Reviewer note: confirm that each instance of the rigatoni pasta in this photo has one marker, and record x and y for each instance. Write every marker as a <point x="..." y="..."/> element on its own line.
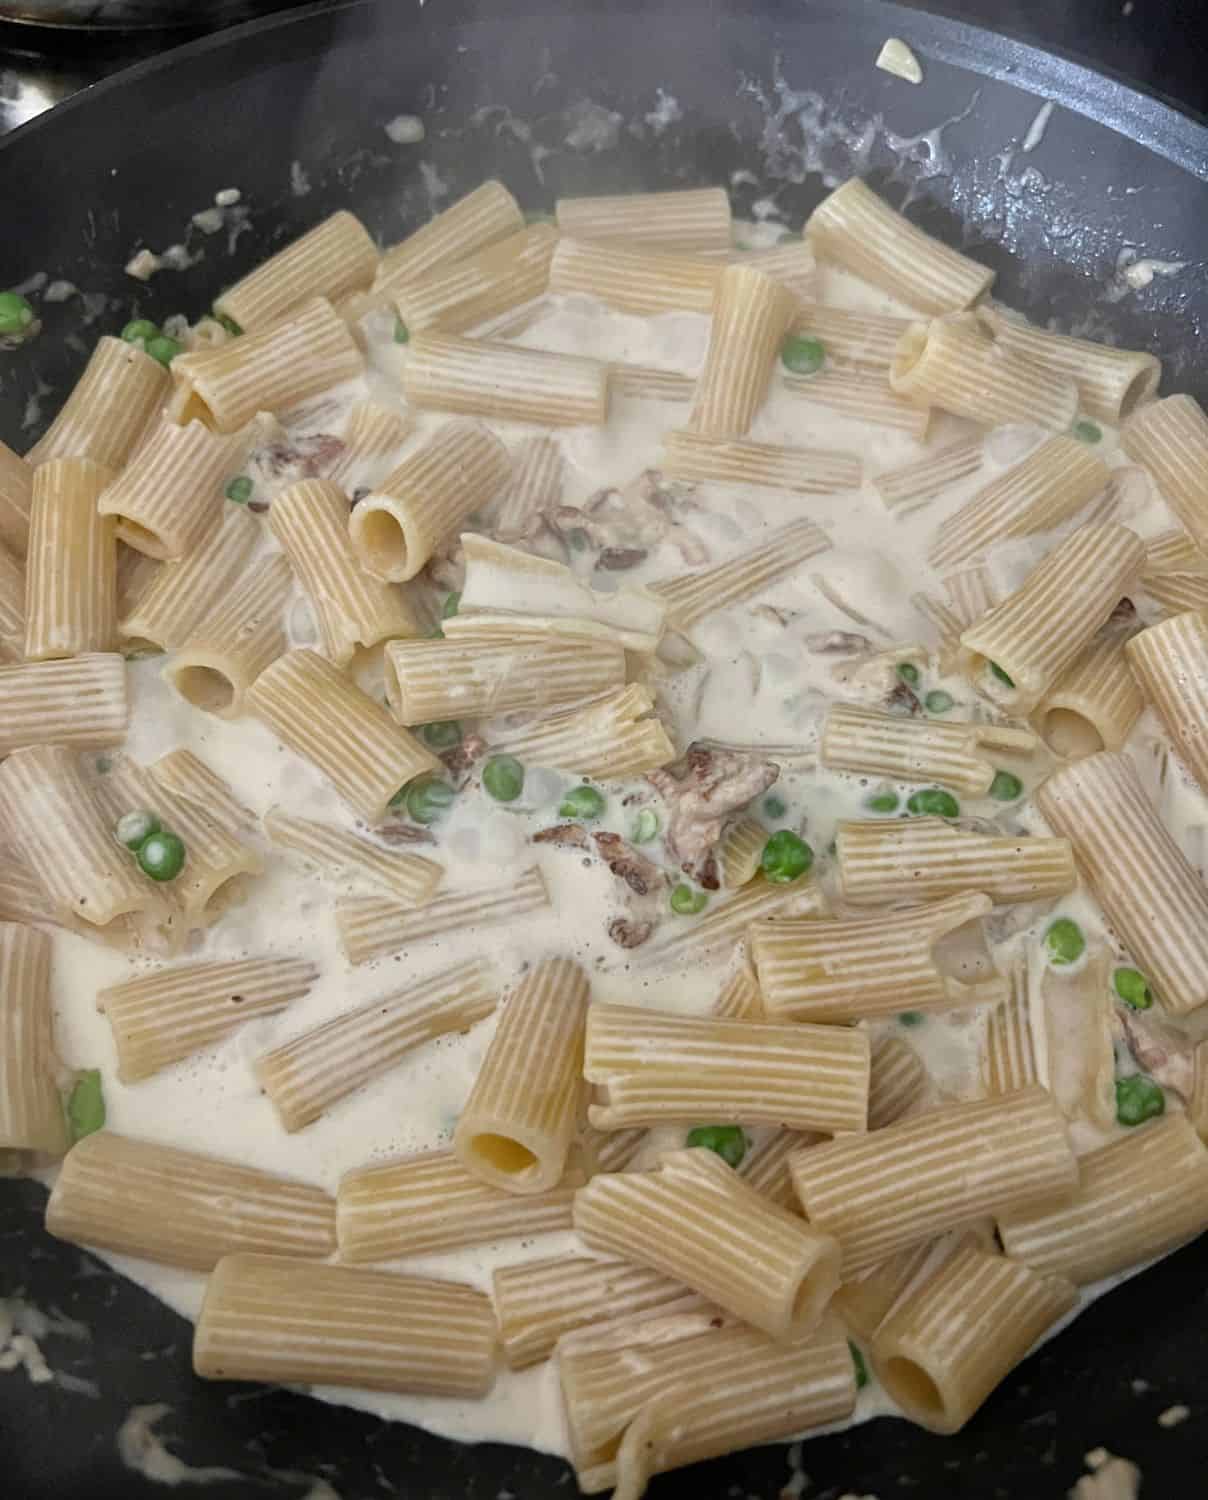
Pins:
<point x="898" y="1082"/>
<point x="1170" y="661"/>
<point x="482" y="217"/>
<point x="481" y="286"/>
<point x="918" y="483"/>
<point x="1169" y="439"/>
<point x="615" y="735"/>
<point x="691" y="596"/>
<point x="637" y="281"/>
<point x="12" y="608"/>
<point x="953" y="753"/>
<point x="861" y="393"/>
<point x="71" y="573"/>
<point x="16" y="496"/>
<point x="331" y="260"/>
<point x="78" y="701"/>
<point x="1009" y="1061"/>
<point x="409" y="879"/>
<point x="1096" y="701"/>
<point x="109" y="407"/>
<point x="33" y="1128"/>
<point x="690" y="220"/>
<point x="804" y="471"/>
<point x="485" y="378"/>
<point x="751" y="315"/>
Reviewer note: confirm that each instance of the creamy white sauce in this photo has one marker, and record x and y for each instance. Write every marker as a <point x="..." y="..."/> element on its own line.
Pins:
<point x="756" y="684"/>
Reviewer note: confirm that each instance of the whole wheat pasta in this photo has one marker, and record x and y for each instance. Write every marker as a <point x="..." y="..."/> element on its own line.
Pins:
<point x="1112" y="383"/>
<point x="80" y="701"/>
<point x="537" y="1302"/>
<point x="516" y="589"/>
<point x="160" y="1018"/>
<point x="1095" y="702"/>
<point x="885" y="1191"/>
<point x="372" y="927"/>
<point x="430" y="1202"/>
<point x="331" y="260"/>
<point x="946" y="625"/>
<point x="897" y="1082"/>
<point x="16" y="495"/>
<point x="740" y="852"/>
<point x="791" y="263"/>
<point x="1170" y="661"/>
<point x="727" y="922"/>
<point x="409" y="879"/>
<point x="644" y="383"/>
<point x="617" y="735"/>
<point x="307" y="1075"/>
<point x="1149" y="892"/>
<point x="431" y="681"/>
<point x="972" y="592"/>
<point x="914" y="749"/>
<point x="135" y="574"/>
<point x="538" y="475"/>
<point x="611" y="1150"/>
<point x="503" y="382"/>
<point x="751" y="315"/>
<point x="482" y="217"/>
<point x="862" y="233"/>
<point x="33" y="1127"/>
<point x="269" y="371"/>
<point x="1009" y="1061"/>
<point x="1172" y="552"/>
<point x="1169" y="439"/>
<point x="1138" y="1198"/>
<point x="687" y="221"/>
<point x="1036" y="633"/>
<point x="181" y="594"/>
<point x="158" y="1202"/>
<point x="651" y="1397"/>
<point x="234" y="644"/>
<point x="323" y="717"/>
<point x="804" y="471"/>
<point x="12" y="608"/>
<point x="169" y="497"/>
<point x="24" y="899"/>
<point x="862" y="393"/>
<point x="401" y="523"/>
<point x="691" y="596"/>
<point x="516" y="1127"/>
<point x="637" y="281"/>
<point x="739" y="998"/>
<point x="1078" y="1064"/>
<point x="1051" y="484"/>
<point x="891" y="861"/>
<point x="952" y="363"/>
<point x="766" y="1167"/>
<point x="864" y="339"/>
<point x="481" y="286"/>
<point x="918" y="483"/>
<point x="652" y="1067"/>
<point x="71" y="572"/>
<point x="109" y="406"/>
<point x="270" y="1319"/>
<point x="863" y="1301"/>
<point x="352" y="608"/>
<point x="187" y="776"/>
<point x="1179" y="592"/>
<point x="44" y="803"/>
<point x="1197" y="1103"/>
<point x="948" y="1342"/>
<point x="372" y="437"/>
<point x="695" y="1220"/>
<point x="859" y="968"/>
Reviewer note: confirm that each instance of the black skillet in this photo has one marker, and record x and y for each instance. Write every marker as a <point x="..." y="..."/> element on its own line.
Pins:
<point x="127" y="164"/>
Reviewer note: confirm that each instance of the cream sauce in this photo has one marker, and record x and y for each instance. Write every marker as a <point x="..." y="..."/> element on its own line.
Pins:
<point x="755" y="684"/>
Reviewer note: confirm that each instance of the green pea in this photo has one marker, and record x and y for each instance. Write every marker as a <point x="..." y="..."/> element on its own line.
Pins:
<point x="425" y="798"/>
<point x="998" y="672"/>
<point x="785" y="857"/>
<point x="135" y="827"/>
<point x="451" y="605"/>
<point x="933" y="802"/>
<point x="685" y="902"/>
<point x="161" y="856"/>
<point x="503" y="777"/>
<point x="857" y="1359"/>
<point x="582" y="802"/>
<point x="909" y="673"/>
<point x="240" y="489"/>
<point x="86" y="1105"/>
<point x="16" y="315"/>
<point x="442" y="736"/>
<point x="1005" y="787"/>
<point x="401" y="333"/>
<point x="645" y="826"/>
<point x="727" y="1140"/>
<point x="882" y="802"/>
<point x="911" y="1018"/>
<point x="1132" y="988"/>
<point x="938" y="701"/>
<point x="229" y="324"/>
<point x="1065" y="942"/>
<point x="1138" y="1099"/>
<point x="774" y="807"/>
<point x="162" y="348"/>
<point x="140" y="331"/>
<point x="1087" y="432"/>
<point x="802" y="355"/>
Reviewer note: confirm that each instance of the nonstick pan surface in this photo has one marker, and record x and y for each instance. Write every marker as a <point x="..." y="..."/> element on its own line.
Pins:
<point x="775" y="100"/>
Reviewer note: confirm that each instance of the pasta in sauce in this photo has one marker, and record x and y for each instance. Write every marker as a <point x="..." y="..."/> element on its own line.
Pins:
<point x="602" y="770"/>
